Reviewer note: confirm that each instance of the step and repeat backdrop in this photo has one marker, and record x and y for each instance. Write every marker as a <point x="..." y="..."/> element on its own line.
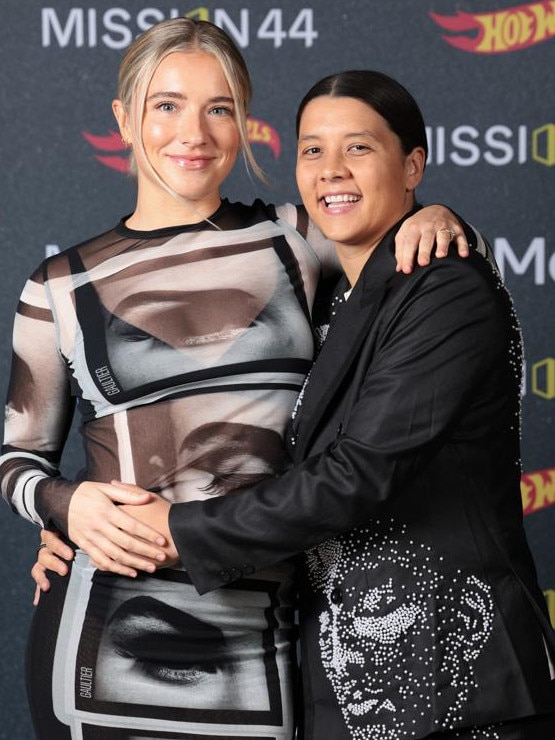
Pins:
<point x="483" y="74"/>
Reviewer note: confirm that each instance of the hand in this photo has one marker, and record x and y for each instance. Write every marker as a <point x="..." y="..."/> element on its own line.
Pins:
<point x="429" y="227"/>
<point x="114" y="540"/>
<point x="156" y="514"/>
<point x="50" y="558"/>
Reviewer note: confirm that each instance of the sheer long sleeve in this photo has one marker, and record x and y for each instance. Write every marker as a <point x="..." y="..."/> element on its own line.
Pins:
<point x="38" y="414"/>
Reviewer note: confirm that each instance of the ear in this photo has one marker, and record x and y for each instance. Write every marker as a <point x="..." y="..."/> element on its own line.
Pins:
<point x="414" y="168"/>
<point x="123" y="121"/>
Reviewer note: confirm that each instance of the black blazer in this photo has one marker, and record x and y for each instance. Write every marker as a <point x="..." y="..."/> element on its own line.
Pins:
<point x="427" y="615"/>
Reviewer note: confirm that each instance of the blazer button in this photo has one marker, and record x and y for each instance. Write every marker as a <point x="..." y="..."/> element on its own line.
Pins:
<point x="248" y="570"/>
<point x="336" y="596"/>
<point x="225" y="576"/>
<point x="234" y="574"/>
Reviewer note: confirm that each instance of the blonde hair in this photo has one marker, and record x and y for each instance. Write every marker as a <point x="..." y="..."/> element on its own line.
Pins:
<point x="183" y="35"/>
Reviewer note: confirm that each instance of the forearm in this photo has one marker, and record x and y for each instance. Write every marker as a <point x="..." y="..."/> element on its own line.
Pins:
<point x="223" y="538"/>
<point x="427" y="372"/>
<point x="34" y="490"/>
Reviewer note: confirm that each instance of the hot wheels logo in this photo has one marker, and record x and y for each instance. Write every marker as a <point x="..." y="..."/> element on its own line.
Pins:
<point x="111" y="152"/>
<point x="501" y="31"/>
<point x="262" y="133"/>
<point x="538" y="490"/>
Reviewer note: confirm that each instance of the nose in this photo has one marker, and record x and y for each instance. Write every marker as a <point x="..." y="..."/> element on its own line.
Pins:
<point x="333" y="168"/>
<point x="192" y="130"/>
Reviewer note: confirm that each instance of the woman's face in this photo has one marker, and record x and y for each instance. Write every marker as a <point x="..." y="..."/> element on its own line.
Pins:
<point x="189" y="132"/>
<point x="352" y="173"/>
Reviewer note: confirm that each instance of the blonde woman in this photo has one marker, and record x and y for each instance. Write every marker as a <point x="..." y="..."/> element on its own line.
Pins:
<point x="185" y="335"/>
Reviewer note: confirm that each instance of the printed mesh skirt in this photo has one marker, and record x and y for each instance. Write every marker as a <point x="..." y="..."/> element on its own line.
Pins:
<point x="114" y="658"/>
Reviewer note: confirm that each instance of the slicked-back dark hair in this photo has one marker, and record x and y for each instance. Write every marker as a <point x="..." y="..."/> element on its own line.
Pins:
<point x="385" y="95"/>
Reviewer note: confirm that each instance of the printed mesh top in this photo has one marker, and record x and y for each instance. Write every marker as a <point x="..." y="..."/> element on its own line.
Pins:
<point x="184" y="347"/>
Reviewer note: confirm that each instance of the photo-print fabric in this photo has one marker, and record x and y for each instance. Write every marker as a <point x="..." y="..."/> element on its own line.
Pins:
<point x="184" y="349"/>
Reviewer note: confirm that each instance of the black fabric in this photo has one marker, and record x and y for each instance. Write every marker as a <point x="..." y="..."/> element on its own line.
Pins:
<point x="541" y="727"/>
<point x="39" y="659"/>
<point x="428" y="614"/>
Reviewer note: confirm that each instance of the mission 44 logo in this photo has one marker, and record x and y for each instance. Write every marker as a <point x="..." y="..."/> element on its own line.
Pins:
<point x="116" y="28"/>
<point x="273" y="27"/>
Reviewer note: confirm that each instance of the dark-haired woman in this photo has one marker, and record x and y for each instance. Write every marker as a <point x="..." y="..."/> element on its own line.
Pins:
<point x="421" y="613"/>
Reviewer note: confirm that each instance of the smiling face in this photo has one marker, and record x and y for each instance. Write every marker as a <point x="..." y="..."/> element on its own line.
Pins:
<point x="353" y="176"/>
<point x="190" y="138"/>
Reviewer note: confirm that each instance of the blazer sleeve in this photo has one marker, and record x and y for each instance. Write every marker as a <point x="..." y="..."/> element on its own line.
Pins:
<point x="439" y="350"/>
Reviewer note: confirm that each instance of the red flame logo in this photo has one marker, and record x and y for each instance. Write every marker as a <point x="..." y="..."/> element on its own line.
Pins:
<point x="115" y="151"/>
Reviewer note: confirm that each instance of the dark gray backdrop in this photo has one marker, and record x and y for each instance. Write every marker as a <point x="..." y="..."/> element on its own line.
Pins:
<point x="483" y="74"/>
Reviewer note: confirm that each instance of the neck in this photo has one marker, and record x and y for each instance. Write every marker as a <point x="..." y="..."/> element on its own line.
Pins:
<point x="353" y="259"/>
<point x="164" y="211"/>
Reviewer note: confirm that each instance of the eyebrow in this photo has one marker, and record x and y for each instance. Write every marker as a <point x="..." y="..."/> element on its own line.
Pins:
<point x="352" y="135"/>
<point x="179" y="96"/>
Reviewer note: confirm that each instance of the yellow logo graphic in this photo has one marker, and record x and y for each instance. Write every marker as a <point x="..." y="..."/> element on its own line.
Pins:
<point x="198" y="14"/>
<point x="543" y="144"/>
<point x="543" y="378"/>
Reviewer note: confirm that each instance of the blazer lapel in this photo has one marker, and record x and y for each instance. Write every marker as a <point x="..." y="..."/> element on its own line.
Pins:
<point x="345" y="337"/>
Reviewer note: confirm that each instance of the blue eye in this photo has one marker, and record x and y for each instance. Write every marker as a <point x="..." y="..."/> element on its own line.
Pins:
<point x="166" y="107"/>
<point x="221" y="110"/>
